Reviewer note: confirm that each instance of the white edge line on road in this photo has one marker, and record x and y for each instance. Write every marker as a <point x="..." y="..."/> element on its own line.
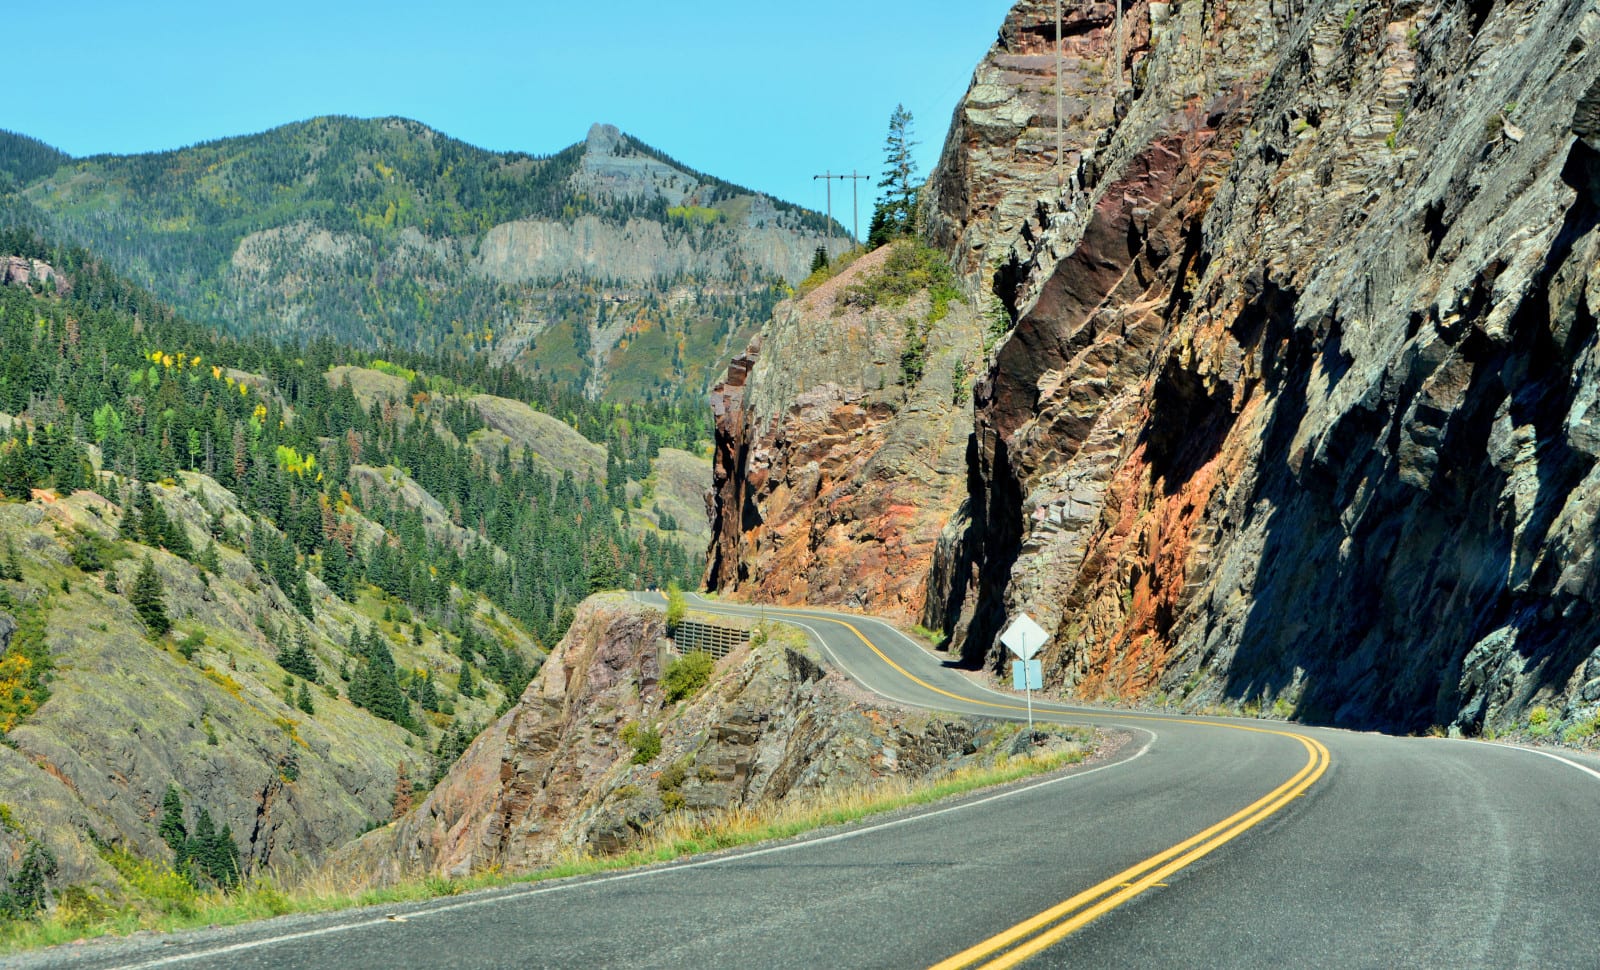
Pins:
<point x="515" y="895"/>
<point x="1548" y="754"/>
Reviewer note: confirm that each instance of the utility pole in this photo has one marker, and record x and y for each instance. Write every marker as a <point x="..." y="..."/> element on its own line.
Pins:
<point x="1117" y="83"/>
<point x="855" y="207"/>
<point x="828" y="178"/>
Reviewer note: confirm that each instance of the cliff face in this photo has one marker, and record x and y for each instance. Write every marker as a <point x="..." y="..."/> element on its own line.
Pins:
<point x="831" y="485"/>
<point x="557" y="775"/>
<point x="841" y="447"/>
<point x="1296" y="409"/>
<point x="1004" y="156"/>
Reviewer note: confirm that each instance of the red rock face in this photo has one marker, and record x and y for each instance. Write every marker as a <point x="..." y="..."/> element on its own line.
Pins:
<point x="1295" y="413"/>
<point x="834" y="473"/>
<point x="21" y="271"/>
<point x="1268" y="430"/>
<point x="556" y="775"/>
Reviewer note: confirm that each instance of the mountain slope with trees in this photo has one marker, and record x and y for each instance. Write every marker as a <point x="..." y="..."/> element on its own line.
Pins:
<point x="226" y="571"/>
<point x="603" y="266"/>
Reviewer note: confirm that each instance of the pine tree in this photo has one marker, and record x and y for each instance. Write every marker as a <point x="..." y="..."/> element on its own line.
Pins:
<point x="300" y="594"/>
<point x="896" y="210"/>
<point x="10" y="566"/>
<point x="465" y="687"/>
<point x="171" y="829"/>
<point x="303" y="699"/>
<point x="149" y="598"/>
<point x="297" y="659"/>
<point x="336" y="571"/>
<point x="222" y="858"/>
<point x="207" y="559"/>
<point x="819" y="259"/>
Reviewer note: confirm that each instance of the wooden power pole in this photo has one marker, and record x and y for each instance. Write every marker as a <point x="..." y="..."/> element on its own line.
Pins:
<point x="855" y="208"/>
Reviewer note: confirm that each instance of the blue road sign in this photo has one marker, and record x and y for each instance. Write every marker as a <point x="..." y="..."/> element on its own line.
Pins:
<point x="1032" y="670"/>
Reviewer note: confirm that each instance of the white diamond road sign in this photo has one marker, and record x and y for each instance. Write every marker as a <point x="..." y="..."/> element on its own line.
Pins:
<point x="1024" y="637"/>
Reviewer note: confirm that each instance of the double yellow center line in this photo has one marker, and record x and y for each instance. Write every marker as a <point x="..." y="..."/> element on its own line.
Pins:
<point x="1033" y="935"/>
<point x="1030" y="936"/>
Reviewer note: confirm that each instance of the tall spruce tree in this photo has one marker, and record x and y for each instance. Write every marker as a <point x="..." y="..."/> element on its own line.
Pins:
<point x="149" y="598"/>
<point x="895" y="213"/>
<point x="172" y="830"/>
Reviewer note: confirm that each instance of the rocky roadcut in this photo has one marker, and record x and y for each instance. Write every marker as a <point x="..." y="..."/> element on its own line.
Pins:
<point x="597" y="755"/>
<point x="1295" y="408"/>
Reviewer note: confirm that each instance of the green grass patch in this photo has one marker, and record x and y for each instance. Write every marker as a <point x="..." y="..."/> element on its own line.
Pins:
<point x="686" y="675"/>
<point x="910" y="268"/>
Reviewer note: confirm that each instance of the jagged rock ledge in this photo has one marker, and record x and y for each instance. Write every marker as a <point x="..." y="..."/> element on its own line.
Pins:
<point x="556" y="776"/>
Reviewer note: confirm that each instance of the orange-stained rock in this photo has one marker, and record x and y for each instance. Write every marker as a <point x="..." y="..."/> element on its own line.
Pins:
<point x="833" y="473"/>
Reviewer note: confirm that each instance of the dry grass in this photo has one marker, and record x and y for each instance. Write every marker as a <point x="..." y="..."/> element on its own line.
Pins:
<point x="678" y="836"/>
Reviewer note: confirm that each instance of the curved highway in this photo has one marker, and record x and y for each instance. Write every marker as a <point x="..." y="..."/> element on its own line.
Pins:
<point x="1209" y="842"/>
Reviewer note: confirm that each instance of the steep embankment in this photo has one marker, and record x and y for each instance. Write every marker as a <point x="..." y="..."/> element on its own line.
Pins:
<point x="598" y="754"/>
<point x="285" y="760"/>
<point x="1295" y="408"/>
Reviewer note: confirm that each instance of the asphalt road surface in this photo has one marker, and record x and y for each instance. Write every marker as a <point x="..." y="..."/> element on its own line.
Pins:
<point x="1208" y="842"/>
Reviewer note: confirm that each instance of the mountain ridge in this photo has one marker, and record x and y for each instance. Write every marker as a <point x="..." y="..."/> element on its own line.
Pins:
<point x="384" y="232"/>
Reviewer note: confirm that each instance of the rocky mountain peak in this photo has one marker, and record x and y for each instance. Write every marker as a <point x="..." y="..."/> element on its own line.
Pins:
<point x="603" y="139"/>
<point x="613" y="167"/>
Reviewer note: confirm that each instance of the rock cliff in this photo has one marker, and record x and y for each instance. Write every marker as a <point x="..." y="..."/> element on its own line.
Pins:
<point x="824" y="491"/>
<point x="841" y="439"/>
<point x="557" y="775"/>
<point x="1294" y="409"/>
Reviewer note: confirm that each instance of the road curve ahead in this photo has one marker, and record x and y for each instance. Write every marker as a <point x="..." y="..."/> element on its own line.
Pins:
<point x="1211" y="843"/>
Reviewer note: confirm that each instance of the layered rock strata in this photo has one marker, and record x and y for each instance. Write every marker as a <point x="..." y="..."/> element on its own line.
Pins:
<point x="825" y="489"/>
<point x="1296" y="410"/>
<point x="1013" y="144"/>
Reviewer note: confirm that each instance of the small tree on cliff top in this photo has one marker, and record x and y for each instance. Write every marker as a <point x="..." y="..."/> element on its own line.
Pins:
<point x="676" y="606"/>
<point x="895" y="213"/>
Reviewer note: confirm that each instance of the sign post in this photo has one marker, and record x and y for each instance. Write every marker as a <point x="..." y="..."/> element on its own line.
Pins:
<point x="1024" y="638"/>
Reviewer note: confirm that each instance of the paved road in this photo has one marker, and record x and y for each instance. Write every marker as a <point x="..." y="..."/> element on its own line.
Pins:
<point x="1211" y="843"/>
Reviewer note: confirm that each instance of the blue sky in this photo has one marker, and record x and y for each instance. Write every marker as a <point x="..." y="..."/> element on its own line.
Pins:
<point x="764" y="95"/>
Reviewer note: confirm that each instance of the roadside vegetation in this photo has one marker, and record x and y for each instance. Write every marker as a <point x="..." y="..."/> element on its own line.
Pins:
<point x="170" y="902"/>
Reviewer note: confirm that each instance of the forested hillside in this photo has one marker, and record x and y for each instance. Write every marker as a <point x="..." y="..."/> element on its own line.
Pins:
<point x="111" y="367"/>
<point x="605" y="267"/>
<point x="289" y="583"/>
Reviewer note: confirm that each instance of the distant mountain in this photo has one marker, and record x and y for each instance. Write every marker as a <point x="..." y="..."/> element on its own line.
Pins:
<point x="607" y="266"/>
<point x="25" y="159"/>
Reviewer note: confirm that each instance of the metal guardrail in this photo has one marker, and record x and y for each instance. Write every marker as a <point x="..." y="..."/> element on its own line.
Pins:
<point x="715" y="639"/>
